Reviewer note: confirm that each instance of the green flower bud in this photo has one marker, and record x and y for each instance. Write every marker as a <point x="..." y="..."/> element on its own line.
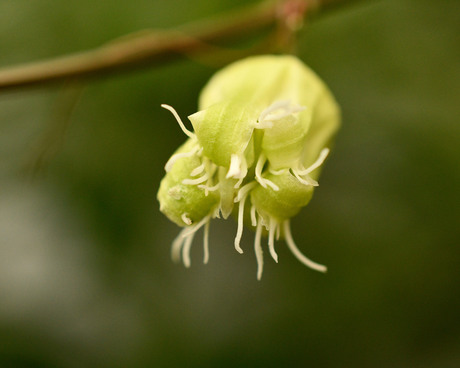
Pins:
<point x="263" y="131"/>
<point x="273" y="206"/>
<point x="282" y="204"/>
<point x="185" y="196"/>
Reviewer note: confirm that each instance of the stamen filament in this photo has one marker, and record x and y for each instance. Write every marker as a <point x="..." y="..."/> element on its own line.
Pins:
<point x="208" y="188"/>
<point x="258" y="251"/>
<point x="272" y="185"/>
<point x="273" y="107"/>
<point x="322" y="156"/>
<point x="186" y="219"/>
<point x="238" y="183"/>
<point x="186" y="249"/>
<point x="206" y="243"/>
<point x="306" y="181"/>
<point x="241" y="197"/>
<point x="197" y="170"/>
<point x="239" y="231"/>
<point x="266" y="121"/>
<point x="193" y="229"/>
<point x="244" y="191"/>
<point x="258" y="174"/>
<point x="290" y="242"/>
<point x="200" y="180"/>
<point x="176" y="157"/>
<point x="177" y="246"/>
<point x="253" y="216"/>
<point x="271" y="239"/>
<point x="181" y="124"/>
<point x="277" y="172"/>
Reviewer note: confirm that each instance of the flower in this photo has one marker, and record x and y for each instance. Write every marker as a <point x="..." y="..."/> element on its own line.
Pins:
<point x="263" y="130"/>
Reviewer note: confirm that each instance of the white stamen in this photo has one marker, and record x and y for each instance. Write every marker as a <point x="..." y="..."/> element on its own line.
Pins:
<point x="239" y="231"/>
<point x="177" y="156"/>
<point x="272" y="185"/>
<point x="258" y="251"/>
<point x="238" y="183"/>
<point x="206" y="243"/>
<point x="200" y="180"/>
<point x="277" y="172"/>
<point x="274" y="106"/>
<point x="186" y="249"/>
<point x="197" y="170"/>
<point x="212" y="168"/>
<point x="322" y="156"/>
<point x="253" y="216"/>
<point x="306" y="181"/>
<point x="241" y="197"/>
<point x="244" y="190"/>
<point x="177" y="245"/>
<point x="290" y="242"/>
<point x="208" y="188"/>
<point x="267" y="116"/>
<point x="186" y="219"/>
<point x="181" y="124"/>
<point x="184" y="239"/>
<point x="193" y="229"/>
<point x="271" y="239"/>
<point x="258" y="174"/>
<point x="211" y="189"/>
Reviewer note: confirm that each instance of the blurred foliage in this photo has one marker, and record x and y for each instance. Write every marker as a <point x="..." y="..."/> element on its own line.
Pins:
<point x="85" y="272"/>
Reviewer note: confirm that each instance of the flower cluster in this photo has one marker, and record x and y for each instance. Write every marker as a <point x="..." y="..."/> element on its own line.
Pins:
<point x="263" y="130"/>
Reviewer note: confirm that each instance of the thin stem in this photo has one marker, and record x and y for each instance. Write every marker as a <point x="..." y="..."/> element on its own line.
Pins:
<point x="146" y="48"/>
<point x="51" y="141"/>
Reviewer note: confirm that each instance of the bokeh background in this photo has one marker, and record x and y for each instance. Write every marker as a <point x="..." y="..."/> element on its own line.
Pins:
<point x="86" y="278"/>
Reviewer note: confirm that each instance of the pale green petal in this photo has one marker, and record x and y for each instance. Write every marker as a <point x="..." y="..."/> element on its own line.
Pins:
<point x="224" y="129"/>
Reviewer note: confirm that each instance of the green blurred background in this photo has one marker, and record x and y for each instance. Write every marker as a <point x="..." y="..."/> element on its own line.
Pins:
<point x="86" y="278"/>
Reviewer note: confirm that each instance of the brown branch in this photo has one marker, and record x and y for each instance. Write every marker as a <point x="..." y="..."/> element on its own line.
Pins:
<point x="157" y="46"/>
